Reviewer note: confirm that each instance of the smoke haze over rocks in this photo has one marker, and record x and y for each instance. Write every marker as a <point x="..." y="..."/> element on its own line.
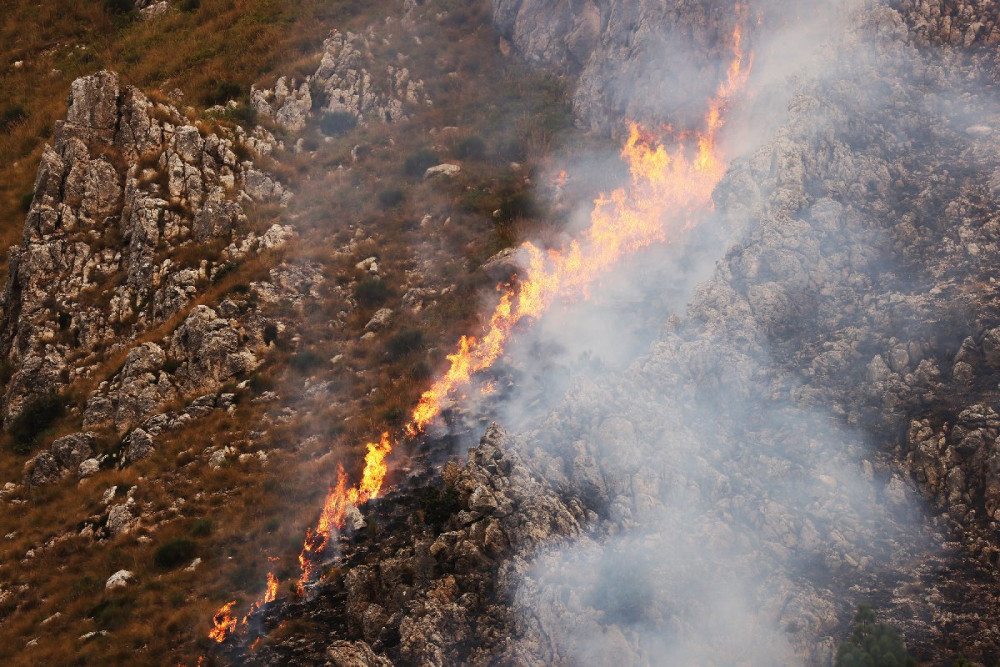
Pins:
<point x="741" y="461"/>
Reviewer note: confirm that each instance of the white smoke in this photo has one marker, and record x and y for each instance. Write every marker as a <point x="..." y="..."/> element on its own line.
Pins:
<point x="731" y="507"/>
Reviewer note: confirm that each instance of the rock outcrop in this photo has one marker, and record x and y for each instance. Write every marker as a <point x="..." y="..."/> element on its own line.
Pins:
<point x="347" y="82"/>
<point x="125" y="187"/>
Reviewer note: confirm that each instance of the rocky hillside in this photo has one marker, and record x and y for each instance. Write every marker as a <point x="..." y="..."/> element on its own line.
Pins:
<point x="214" y="303"/>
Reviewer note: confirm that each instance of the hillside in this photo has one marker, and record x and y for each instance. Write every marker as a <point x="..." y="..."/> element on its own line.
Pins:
<point x="510" y="332"/>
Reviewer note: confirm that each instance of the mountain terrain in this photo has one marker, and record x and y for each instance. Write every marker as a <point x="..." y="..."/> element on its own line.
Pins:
<point x="245" y="236"/>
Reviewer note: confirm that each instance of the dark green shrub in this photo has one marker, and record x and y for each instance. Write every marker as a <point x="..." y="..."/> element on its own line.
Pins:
<point x="512" y="151"/>
<point x="270" y="333"/>
<point x="404" y="342"/>
<point x="391" y="197"/>
<point x="118" y="6"/>
<point x="112" y="614"/>
<point x="224" y="91"/>
<point x="872" y="644"/>
<point x="304" y="361"/>
<point x="12" y="116"/>
<point x="36" y="417"/>
<point x="26" y="200"/>
<point x="241" y="114"/>
<point x="173" y="553"/>
<point x="371" y="292"/>
<point x="471" y="148"/>
<point x="201" y="528"/>
<point x="418" y="162"/>
<point x="189" y="5"/>
<point x="337" y="123"/>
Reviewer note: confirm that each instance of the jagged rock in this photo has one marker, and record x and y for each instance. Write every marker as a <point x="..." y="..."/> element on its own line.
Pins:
<point x="119" y="579"/>
<point x="379" y="320"/>
<point x="81" y="193"/>
<point x="353" y="654"/>
<point x="89" y="468"/>
<point x="43" y="469"/>
<point x="120" y="518"/>
<point x="70" y="451"/>
<point x="447" y="170"/>
<point x="138" y="446"/>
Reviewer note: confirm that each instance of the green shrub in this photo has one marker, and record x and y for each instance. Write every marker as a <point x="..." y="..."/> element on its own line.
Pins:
<point x="12" y="116"/>
<point x="471" y="148"/>
<point x="112" y="614"/>
<point x="391" y="197"/>
<point x="201" y="528"/>
<point x="241" y="114"/>
<point x="26" y="199"/>
<point x="118" y="6"/>
<point x="304" y="361"/>
<point x="402" y="343"/>
<point x="173" y="553"/>
<point x="189" y="5"/>
<point x="36" y="417"/>
<point x="337" y="123"/>
<point x="872" y="644"/>
<point x="224" y="91"/>
<point x="418" y="162"/>
<point x="371" y="292"/>
<point x="270" y="333"/>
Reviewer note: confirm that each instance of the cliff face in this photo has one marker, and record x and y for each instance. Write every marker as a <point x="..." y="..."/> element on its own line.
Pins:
<point x="126" y="184"/>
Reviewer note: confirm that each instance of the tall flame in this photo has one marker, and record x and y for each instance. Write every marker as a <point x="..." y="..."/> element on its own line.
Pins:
<point x="668" y="192"/>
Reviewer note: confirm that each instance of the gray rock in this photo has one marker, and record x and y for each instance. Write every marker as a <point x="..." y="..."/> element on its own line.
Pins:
<point x="139" y="445"/>
<point x="119" y="579"/>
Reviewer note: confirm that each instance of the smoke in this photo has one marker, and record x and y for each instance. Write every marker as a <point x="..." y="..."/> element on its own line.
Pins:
<point x="736" y="497"/>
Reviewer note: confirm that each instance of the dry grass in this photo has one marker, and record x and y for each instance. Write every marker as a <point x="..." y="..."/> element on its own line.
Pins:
<point x="261" y="512"/>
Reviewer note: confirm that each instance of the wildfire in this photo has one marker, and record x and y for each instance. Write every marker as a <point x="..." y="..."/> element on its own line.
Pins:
<point x="668" y="192"/>
<point x="225" y="623"/>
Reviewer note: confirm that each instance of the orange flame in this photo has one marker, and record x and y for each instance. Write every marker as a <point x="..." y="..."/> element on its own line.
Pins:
<point x="225" y="623"/>
<point x="667" y="193"/>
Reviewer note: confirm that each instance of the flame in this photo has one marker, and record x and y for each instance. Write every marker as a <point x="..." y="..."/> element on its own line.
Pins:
<point x="225" y="623"/>
<point x="339" y="498"/>
<point x="669" y="191"/>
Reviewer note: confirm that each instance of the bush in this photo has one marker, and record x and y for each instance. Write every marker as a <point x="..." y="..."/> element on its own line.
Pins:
<point x="872" y="644"/>
<point x="26" y="199"/>
<point x="371" y="292"/>
<point x="337" y="123"/>
<point x="270" y="333"/>
<point x="420" y="161"/>
<point x="241" y="114"/>
<point x="305" y="361"/>
<point x="118" y="6"/>
<point x="224" y="91"/>
<point x="12" y="116"/>
<point x="173" y="553"/>
<point x="471" y="148"/>
<point x="201" y="528"/>
<point x="189" y="5"/>
<point x="36" y="417"/>
<point x="391" y="197"/>
<point x="404" y="342"/>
